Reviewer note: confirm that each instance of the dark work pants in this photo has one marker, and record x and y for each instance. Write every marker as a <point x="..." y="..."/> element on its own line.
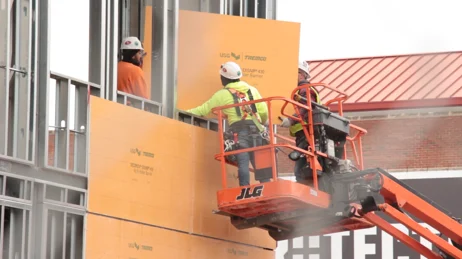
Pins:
<point x="243" y="159"/>
<point x="302" y="162"/>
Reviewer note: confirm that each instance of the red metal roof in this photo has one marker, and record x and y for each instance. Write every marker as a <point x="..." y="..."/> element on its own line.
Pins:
<point x="393" y="82"/>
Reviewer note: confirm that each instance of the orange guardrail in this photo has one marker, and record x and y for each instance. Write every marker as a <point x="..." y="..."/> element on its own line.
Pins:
<point x="307" y="128"/>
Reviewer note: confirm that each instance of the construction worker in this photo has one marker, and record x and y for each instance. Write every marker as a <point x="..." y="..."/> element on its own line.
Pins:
<point x="242" y="124"/>
<point x="130" y="77"/>
<point x="295" y="128"/>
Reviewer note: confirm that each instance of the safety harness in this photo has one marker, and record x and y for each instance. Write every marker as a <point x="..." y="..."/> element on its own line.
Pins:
<point x="231" y="139"/>
<point x="304" y="100"/>
<point x="299" y="97"/>
<point x="240" y="97"/>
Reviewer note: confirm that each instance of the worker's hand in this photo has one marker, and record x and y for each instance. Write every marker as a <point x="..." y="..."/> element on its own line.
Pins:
<point x="286" y="123"/>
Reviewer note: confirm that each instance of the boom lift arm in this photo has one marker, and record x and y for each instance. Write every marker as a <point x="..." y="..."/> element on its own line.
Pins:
<point x="343" y="196"/>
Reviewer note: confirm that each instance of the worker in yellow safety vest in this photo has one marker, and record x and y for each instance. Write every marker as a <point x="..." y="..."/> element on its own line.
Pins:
<point x="244" y="122"/>
<point x="295" y="128"/>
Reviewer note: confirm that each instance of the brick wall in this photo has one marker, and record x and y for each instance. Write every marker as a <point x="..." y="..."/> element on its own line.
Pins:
<point x="52" y="149"/>
<point x="405" y="143"/>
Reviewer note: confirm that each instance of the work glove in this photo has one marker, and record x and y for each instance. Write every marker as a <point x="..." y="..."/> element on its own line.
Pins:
<point x="286" y="123"/>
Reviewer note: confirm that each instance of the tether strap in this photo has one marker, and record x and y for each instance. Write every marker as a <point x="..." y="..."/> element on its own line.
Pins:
<point x="236" y="100"/>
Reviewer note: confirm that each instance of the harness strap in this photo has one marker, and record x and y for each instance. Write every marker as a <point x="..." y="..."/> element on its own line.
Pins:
<point x="236" y="98"/>
<point x="253" y="106"/>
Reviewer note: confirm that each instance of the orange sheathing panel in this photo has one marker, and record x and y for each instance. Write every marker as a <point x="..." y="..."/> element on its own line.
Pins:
<point x="207" y="183"/>
<point x="207" y="40"/>
<point x="145" y="198"/>
<point x="112" y="238"/>
<point x="180" y="194"/>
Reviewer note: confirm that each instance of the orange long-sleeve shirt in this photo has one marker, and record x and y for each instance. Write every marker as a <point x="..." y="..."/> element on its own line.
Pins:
<point x="130" y="79"/>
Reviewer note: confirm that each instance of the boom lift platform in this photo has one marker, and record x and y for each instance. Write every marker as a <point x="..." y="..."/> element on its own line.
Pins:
<point x="343" y="196"/>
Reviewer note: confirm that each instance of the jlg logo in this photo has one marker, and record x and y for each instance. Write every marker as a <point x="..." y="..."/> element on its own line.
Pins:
<point x="248" y="193"/>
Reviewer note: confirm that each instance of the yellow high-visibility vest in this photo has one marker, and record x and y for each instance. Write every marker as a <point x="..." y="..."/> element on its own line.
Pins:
<point x="298" y="126"/>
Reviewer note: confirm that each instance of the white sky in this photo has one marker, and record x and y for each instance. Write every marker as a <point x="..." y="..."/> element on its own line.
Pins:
<point x="329" y="29"/>
<point x="356" y="28"/>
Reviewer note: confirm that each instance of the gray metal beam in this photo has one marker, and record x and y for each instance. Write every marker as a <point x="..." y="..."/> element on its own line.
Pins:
<point x="43" y="71"/>
<point x="164" y="54"/>
<point x="214" y="6"/>
<point x="68" y="179"/>
<point x="61" y="144"/>
<point x="5" y="62"/>
<point x="194" y="5"/>
<point x="142" y="18"/>
<point x="112" y="48"/>
<point x="271" y="9"/>
<point x="97" y="43"/>
<point x="39" y="221"/>
<point x="135" y="23"/>
<point x="22" y="84"/>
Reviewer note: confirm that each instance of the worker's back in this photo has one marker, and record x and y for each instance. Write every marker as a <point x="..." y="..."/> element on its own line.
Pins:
<point x="243" y="87"/>
<point x="130" y="79"/>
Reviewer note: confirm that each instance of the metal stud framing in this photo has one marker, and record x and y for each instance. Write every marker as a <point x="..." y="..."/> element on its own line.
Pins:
<point x="16" y="123"/>
<point x="139" y="103"/>
<point x="70" y="124"/>
<point x="42" y="207"/>
<point x="164" y="54"/>
<point x="210" y="124"/>
<point x="265" y="9"/>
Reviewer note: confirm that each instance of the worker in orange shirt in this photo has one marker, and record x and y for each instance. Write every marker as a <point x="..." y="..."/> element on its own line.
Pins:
<point x="130" y="77"/>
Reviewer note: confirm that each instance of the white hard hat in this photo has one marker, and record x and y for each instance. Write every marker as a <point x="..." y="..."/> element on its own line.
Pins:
<point x="231" y="70"/>
<point x="303" y="65"/>
<point x="131" y="43"/>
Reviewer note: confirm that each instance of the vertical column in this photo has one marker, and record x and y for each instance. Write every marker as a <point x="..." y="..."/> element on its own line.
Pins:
<point x="124" y="17"/>
<point x="97" y="55"/>
<point x="5" y="21"/>
<point x="39" y="221"/>
<point x="61" y="159"/>
<point x="164" y="54"/>
<point x="2" y="228"/>
<point x="15" y="76"/>
<point x="142" y="17"/>
<point x="34" y="78"/>
<point x="204" y="5"/>
<point x="271" y="8"/>
<point x="213" y="6"/>
<point x="81" y="139"/>
<point x="43" y="71"/>
<point x="134" y="22"/>
<point x="112" y="47"/>
<point x="22" y="82"/>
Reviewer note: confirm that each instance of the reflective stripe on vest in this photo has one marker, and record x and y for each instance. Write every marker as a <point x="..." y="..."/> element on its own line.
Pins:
<point x="318" y="99"/>
<point x="297" y="126"/>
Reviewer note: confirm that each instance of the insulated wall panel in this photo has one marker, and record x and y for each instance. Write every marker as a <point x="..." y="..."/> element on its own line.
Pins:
<point x="266" y="50"/>
<point x="113" y="238"/>
<point x="154" y="170"/>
